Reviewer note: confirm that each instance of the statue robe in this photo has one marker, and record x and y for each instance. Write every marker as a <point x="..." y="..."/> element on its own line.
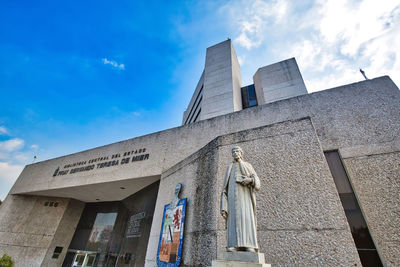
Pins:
<point x="239" y="202"/>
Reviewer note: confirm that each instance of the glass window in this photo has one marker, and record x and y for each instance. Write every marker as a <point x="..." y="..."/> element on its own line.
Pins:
<point x="114" y="233"/>
<point x="79" y="259"/>
<point x="90" y="261"/>
<point x="251" y="94"/>
<point x="101" y="231"/>
<point x="249" y="98"/>
<point x="362" y="238"/>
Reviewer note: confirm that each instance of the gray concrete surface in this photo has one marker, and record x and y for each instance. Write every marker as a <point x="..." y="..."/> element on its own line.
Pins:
<point x="376" y="182"/>
<point x="222" y="81"/>
<point x="355" y="118"/>
<point x="195" y="102"/>
<point x="63" y="235"/>
<point x="361" y="120"/>
<point x="299" y="213"/>
<point x="243" y="256"/>
<point x="278" y="81"/>
<point x="28" y="228"/>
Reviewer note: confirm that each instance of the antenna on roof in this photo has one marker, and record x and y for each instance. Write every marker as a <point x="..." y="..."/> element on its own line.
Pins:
<point x="363" y="73"/>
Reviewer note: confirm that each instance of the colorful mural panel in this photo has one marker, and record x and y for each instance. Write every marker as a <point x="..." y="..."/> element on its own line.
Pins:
<point x="171" y="235"/>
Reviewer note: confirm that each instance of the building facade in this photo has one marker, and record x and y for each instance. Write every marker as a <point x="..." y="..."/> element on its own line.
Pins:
<point x="328" y="163"/>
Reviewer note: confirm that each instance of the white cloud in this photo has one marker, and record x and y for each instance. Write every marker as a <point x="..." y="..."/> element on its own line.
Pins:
<point x="34" y="147"/>
<point x="241" y="59"/>
<point x="350" y="35"/>
<point x="12" y="145"/>
<point x="9" y="172"/>
<point x="113" y="63"/>
<point x="17" y="157"/>
<point x="330" y="39"/>
<point x="3" y="130"/>
<point x="253" y="20"/>
<point x="21" y="157"/>
<point x="353" y="25"/>
<point x="8" y="175"/>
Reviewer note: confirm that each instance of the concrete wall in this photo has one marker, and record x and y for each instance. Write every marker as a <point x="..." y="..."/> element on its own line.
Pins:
<point x="354" y="118"/>
<point x="236" y="81"/>
<point x="29" y="231"/>
<point x="361" y="120"/>
<point x="300" y="217"/>
<point x="195" y="103"/>
<point x="376" y="182"/>
<point x="278" y="81"/>
<point x="199" y="232"/>
<point x="65" y="231"/>
<point x="222" y="81"/>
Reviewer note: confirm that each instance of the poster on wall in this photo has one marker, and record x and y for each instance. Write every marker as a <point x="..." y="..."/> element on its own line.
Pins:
<point x="171" y="234"/>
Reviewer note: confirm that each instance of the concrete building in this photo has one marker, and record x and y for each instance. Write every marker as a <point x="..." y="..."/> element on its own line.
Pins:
<point x="328" y="164"/>
<point x="219" y="90"/>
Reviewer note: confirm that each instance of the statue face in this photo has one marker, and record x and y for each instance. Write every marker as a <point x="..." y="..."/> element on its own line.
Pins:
<point x="236" y="153"/>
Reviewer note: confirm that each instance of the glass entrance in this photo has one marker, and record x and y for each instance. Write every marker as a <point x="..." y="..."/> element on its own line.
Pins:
<point x="114" y="233"/>
<point x="84" y="259"/>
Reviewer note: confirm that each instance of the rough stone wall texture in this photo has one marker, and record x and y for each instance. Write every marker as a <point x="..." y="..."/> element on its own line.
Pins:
<point x="65" y="231"/>
<point x="376" y="182"/>
<point x="197" y="174"/>
<point x="27" y="227"/>
<point x="360" y="119"/>
<point x="300" y="218"/>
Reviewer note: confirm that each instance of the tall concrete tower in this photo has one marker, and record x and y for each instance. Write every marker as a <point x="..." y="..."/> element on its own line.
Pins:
<point x="278" y="81"/>
<point x="218" y="90"/>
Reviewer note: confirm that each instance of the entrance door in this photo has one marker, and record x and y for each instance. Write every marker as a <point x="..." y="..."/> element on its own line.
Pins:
<point x="84" y="259"/>
<point x="114" y="233"/>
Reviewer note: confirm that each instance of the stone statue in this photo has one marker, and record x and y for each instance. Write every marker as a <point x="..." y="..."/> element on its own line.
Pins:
<point x="174" y="202"/>
<point x="238" y="204"/>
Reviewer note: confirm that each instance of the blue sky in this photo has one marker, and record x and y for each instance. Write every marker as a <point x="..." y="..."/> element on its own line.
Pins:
<point x="80" y="74"/>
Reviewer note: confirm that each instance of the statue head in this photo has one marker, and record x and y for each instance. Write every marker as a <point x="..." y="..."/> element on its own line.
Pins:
<point x="178" y="190"/>
<point x="237" y="153"/>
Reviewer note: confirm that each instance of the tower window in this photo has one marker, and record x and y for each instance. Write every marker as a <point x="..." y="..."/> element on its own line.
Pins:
<point x="249" y="98"/>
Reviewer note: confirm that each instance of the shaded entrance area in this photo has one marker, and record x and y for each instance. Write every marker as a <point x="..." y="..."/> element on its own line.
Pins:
<point x="114" y="233"/>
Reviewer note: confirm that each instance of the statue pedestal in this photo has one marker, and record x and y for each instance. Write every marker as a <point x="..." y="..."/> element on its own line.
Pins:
<point x="241" y="259"/>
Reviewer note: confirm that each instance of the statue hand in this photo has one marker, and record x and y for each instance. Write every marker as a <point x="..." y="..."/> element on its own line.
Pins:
<point x="246" y="180"/>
